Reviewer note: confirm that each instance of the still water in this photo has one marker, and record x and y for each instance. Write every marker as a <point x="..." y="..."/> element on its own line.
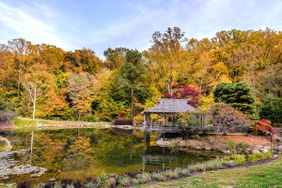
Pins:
<point x="86" y="152"/>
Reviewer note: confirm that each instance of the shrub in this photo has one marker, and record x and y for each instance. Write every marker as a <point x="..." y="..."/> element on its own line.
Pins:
<point x="170" y="174"/>
<point x="7" y="111"/>
<point x="255" y="157"/>
<point x="184" y="172"/>
<point x="242" y="148"/>
<point x="238" y="95"/>
<point x="229" y="163"/>
<point x="227" y="119"/>
<point x="123" y="122"/>
<point x="158" y="176"/>
<point x="214" y="164"/>
<point x="110" y="182"/>
<point x="260" y="156"/>
<point x="268" y="155"/>
<point x="238" y="159"/>
<point x="89" y="118"/>
<point x="200" y="167"/>
<point x="138" y="120"/>
<point x="144" y="177"/>
<point x="125" y="181"/>
<point x="263" y="126"/>
<point x="101" y="180"/>
<point x="192" y="168"/>
<point x="232" y="146"/>
<point x="271" y="108"/>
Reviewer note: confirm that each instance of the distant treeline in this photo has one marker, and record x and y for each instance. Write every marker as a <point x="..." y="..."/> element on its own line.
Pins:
<point x="44" y="81"/>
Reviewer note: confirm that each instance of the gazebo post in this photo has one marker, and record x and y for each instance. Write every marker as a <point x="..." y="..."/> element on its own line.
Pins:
<point x="149" y="120"/>
<point x="145" y="121"/>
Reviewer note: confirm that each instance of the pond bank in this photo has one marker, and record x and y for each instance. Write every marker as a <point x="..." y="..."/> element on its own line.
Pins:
<point x="218" y="143"/>
<point x="10" y="167"/>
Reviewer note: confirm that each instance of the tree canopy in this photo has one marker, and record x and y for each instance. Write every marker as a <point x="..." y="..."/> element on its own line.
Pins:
<point x="238" y="67"/>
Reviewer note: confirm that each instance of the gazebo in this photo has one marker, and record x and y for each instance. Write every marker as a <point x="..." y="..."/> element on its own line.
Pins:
<point x="167" y="107"/>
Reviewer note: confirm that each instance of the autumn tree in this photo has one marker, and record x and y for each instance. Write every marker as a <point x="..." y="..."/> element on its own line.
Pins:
<point x="23" y="52"/>
<point x="165" y="55"/>
<point x="36" y="81"/>
<point x="79" y="92"/>
<point x="114" y="57"/>
<point x="83" y="60"/>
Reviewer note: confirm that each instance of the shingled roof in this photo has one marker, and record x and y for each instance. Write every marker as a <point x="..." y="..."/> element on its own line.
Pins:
<point x="172" y="106"/>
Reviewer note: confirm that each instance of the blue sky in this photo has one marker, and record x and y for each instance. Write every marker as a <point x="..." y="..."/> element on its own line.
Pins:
<point x="99" y="24"/>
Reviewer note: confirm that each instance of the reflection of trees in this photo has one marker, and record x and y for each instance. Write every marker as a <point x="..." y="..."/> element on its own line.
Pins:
<point x="72" y="149"/>
<point x="79" y="154"/>
<point x="48" y="150"/>
<point x="115" y="149"/>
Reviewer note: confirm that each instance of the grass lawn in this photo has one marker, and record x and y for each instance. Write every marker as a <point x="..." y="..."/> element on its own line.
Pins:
<point x="27" y="123"/>
<point x="263" y="176"/>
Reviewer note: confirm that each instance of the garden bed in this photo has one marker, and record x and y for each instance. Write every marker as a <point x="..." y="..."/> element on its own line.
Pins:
<point x="130" y="180"/>
<point x="218" y="143"/>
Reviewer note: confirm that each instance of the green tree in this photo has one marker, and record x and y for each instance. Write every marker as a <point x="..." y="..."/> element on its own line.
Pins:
<point x="114" y="57"/>
<point x="238" y="95"/>
<point x="131" y="80"/>
<point x="7" y="111"/>
<point x="271" y="108"/>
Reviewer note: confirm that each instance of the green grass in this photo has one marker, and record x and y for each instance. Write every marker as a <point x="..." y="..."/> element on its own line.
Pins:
<point x="33" y="124"/>
<point x="25" y="122"/>
<point x="267" y="175"/>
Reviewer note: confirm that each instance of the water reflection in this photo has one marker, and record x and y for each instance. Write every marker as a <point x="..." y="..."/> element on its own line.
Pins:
<point x="81" y="153"/>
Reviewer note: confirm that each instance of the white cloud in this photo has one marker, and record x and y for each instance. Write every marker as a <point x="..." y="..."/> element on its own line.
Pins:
<point x="134" y="28"/>
<point x="201" y="18"/>
<point x="35" y="23"/>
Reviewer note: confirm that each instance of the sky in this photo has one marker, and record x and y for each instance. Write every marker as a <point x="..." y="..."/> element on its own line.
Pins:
<point x="100" y="24"/>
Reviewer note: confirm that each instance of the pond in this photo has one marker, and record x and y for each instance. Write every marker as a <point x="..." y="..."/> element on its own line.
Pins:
<point x="80" y="153"/>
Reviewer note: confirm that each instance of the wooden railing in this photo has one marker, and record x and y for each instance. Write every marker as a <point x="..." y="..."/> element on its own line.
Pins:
<point x="158" y="159"/>
<point x="163" y="128"/>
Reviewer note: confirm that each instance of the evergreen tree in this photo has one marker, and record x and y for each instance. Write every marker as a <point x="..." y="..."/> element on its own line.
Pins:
<point x="238" y="95"/>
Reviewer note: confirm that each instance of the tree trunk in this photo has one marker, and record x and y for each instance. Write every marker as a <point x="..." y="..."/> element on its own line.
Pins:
<point x="170" y="82"/>
<point x="31" y="147"/>
<point x="131" y="105"/>
<point x="34" y="102"/>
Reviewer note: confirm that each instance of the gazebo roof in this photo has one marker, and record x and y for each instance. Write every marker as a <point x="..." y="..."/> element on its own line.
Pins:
<point x="172" y="106"/>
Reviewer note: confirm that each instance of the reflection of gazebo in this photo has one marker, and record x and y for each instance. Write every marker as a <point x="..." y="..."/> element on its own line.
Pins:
<point x="167" y="108"/>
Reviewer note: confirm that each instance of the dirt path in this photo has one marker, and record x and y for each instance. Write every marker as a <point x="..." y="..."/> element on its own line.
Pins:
<point x="6" y="125"/>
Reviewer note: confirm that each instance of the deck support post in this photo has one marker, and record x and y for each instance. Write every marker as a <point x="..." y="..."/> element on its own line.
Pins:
<point x="145" y="122"/>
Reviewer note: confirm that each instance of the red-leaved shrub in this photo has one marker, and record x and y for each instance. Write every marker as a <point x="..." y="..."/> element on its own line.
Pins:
<point x="121" y="121"/>
<point x="263" y="126"/>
